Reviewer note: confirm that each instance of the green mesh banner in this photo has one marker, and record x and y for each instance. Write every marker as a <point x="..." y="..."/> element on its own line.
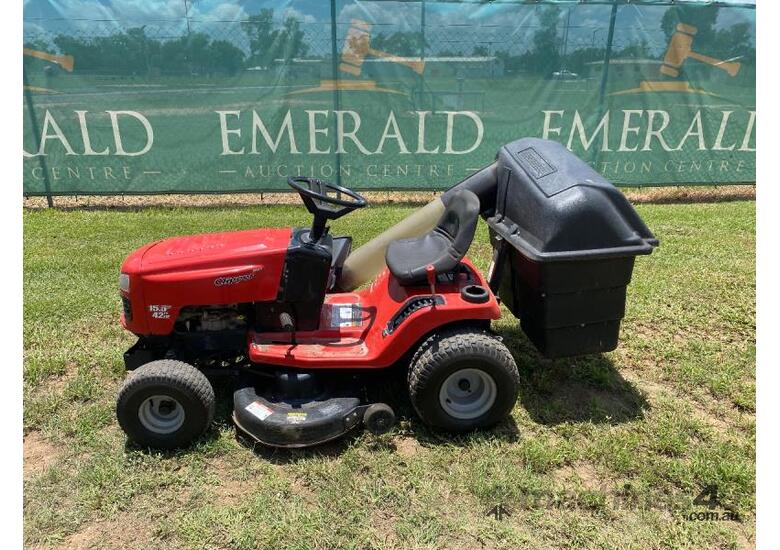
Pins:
<point x="221" y="96"/>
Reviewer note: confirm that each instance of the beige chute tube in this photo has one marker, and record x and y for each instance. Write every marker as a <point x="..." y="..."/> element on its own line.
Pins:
<point x="366" y="262"/>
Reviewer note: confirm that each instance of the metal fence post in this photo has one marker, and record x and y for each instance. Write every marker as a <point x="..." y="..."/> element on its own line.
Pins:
<point x="595" y="154"/>
<point x="336" y="93"/>
<point x="422" y="52"/>
<point x="37" y="138"/>
<point x="608" y="51"/>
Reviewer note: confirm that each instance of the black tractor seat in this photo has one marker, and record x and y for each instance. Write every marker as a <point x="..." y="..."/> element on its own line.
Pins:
<point x="443" y="247"/>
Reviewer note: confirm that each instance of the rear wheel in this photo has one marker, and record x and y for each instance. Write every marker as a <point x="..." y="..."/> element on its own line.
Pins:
<point x="463" y="379"/>
<point x="165" y="404"/>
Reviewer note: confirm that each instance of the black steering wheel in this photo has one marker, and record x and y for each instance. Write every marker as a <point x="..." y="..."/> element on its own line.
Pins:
<point x="324" y="207"/>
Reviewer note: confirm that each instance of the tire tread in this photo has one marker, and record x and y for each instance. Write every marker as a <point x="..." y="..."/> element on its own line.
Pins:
<point x="169" y="372"/>
<point x="443" y="347"/>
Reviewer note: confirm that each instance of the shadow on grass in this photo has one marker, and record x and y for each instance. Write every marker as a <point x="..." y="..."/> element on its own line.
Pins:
<point x="579" y="389"/>
<point x="386" y="386"/>
<point x="583" y="389"/>
<point x="425" y="437"/>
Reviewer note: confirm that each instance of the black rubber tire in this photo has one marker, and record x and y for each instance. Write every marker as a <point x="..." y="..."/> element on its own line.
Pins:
<point x="444" y="353"/>
<point x="176" y="379"/>
<point x="379" y="418"/>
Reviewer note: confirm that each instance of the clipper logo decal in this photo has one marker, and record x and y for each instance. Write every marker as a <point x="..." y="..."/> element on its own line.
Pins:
<point x="235" y="279"/>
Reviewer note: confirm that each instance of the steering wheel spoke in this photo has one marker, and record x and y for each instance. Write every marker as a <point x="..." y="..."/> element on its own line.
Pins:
<point x="316" y="195"/>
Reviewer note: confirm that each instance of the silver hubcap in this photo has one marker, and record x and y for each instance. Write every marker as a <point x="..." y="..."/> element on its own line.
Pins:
<point x="467" y="394"/>
<point x="161" y="414"/>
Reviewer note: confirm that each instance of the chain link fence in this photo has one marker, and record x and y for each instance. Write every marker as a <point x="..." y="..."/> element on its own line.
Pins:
<point x="380" y="94"/>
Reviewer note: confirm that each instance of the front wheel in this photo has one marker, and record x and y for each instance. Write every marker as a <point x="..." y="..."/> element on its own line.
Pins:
<point x="462" y="380"/>
<point x="165" y="404"/>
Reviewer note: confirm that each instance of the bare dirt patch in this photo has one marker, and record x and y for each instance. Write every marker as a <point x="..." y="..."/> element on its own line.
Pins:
<point x="39" y="454"/>
<point x="302" y="489"/>
<point x="691" y="194"/>
<point x="407" y="447"/>
<point x="583" y="472"/>
<point x="231" y="492"/>
<point x="704" y="407"/>
<point x="238" y="481"/>
<point x="58" y="384"/>
<point x="745" y="538"/>
<point x="126" y="532"/>
<point x="383" y="524"/>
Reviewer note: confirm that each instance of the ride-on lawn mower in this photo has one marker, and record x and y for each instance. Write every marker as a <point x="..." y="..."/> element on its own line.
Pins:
<point x="286" y="313"/>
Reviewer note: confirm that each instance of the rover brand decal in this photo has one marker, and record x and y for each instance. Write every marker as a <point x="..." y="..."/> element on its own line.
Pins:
<point x="160" y="311"/>
<point x="235" y="279"/>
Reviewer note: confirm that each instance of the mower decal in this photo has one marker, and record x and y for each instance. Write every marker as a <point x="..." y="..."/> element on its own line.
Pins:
<point x="344" y="316"/>
<point x="260" y="410"/>
<point x="235" y="279"/>
<point x="160" y="311"/>
<point x="296" y="417"/>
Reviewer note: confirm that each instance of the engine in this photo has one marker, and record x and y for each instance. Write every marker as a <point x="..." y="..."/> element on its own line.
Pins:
<point x="214" y="318"/>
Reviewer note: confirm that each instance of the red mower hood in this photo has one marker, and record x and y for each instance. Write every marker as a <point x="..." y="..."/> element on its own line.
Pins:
<point x="212" y="249"/>
<point x="215" y="268"/>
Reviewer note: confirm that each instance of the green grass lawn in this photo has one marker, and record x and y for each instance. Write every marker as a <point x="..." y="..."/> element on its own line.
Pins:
<point x="601" y="452"/>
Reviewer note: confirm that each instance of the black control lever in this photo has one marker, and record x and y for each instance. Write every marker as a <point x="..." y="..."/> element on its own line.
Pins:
<point x="288" y="324"/>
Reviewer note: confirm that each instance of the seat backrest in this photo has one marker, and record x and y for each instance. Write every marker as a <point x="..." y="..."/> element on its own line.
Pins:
<point x="459" y="221"/>
<point x="443" y="247"/>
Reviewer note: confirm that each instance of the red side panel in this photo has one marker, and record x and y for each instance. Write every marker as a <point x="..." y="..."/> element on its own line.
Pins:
<point x="353" y="326"/>
<point x="211" y="269"/>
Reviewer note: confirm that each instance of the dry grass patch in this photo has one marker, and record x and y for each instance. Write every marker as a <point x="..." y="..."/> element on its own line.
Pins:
<point x="39" y="454"/>
<point x="125" y="532"/>
<point x="650" y="195"/>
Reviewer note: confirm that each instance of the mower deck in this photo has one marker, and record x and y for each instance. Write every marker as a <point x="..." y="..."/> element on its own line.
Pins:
<point x="293" y="408"/>
<point x="295" y="423"/>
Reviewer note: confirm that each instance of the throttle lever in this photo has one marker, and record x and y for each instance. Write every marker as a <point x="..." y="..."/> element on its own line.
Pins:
<point x="430" y="274"/>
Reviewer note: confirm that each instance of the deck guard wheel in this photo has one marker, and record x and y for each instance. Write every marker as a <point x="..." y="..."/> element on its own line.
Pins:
<point x="379" y="418"/>
<point x="165" y="404"/>
<point x="462" y="380"/>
